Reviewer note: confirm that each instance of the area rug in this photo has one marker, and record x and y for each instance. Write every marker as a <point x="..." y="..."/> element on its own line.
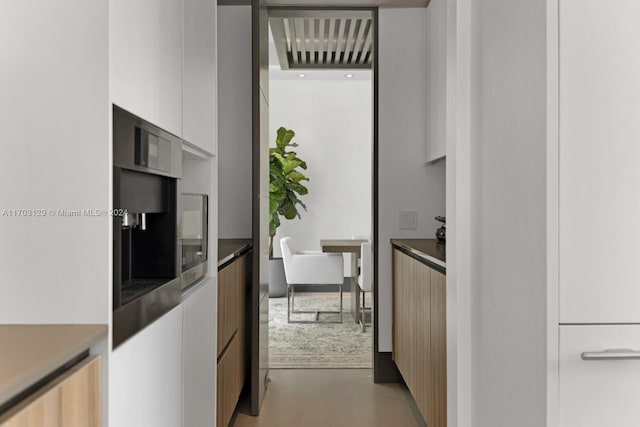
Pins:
<point x="317" y="345"/>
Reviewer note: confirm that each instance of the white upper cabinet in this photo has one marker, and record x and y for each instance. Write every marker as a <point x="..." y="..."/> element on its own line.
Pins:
<point x="436" y="94"/>
<point x="199" y="75"/>
<point x="146" y="60"/>
<point x="599" y="162"/>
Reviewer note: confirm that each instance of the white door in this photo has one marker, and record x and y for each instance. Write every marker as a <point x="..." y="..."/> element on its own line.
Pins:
<point x="599" y="387"/>
<point x="599" y="161"/>
<point x="199" y="341"/>
<point x="145" y="376"/>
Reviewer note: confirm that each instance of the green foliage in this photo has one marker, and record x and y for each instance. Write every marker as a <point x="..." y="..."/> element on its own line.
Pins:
<point x="285" y="180"/>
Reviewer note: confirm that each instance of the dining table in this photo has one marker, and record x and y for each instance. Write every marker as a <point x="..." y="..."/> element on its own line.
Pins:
<point x="348" y="246"/>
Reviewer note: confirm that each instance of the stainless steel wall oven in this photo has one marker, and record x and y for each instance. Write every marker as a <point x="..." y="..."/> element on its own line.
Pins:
<point x="147" y="248"/>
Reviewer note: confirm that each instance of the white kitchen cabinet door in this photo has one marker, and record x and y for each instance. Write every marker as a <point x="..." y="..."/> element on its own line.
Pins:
<point x="199" y="119"/>
<point x="199" y="341"/>
<point x="599" y="392"/>
<point x="599" y="254"/>
<point x="146" y="60"/>
<point x="436" y="57"/>
<point x="145" y="372"/>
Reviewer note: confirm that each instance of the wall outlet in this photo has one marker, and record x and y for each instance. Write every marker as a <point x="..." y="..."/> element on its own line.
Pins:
<point x="408" y="220"/>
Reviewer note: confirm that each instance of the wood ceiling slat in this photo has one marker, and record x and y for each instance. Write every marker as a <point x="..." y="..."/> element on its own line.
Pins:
<point x="331" y="39"/>
<point x="280" y="39"/>
<point x="302" y="46"/>
<point x="321" y="42"/>
<point x="358" y="53"/>
<point x="341" y="30"/>
<point x="291" y="28"/>
<point x="348" y="45"/>
<point x="366" y="49"/>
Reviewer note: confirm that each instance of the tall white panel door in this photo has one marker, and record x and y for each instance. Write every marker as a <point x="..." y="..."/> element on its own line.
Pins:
<point x="146" y="60"/>
<point x="145" y="376"/>
<point x="199" y="341"/>
<point x="604" y="389"/>
<point x="599" y="161"/>
<point x="199" y="74"/>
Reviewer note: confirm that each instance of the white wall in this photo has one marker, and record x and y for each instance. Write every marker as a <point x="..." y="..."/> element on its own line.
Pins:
<point x="508" y="210"/>
<point x="405" y="183"/>
<point x="55" y="154"/>
<point x="333" y="123"/>
<point x="234" y="121"/>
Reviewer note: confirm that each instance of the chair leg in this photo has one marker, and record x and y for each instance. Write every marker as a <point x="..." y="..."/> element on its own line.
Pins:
<point x="288" y="303"/>
<point x="363" y="313"/>
<point x="340" y="302"/>
<point x="291" y="301"/>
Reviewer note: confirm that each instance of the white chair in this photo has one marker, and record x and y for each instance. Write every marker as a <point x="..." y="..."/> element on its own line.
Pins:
<point x="310" y="268"/>
<point x="365" y="279"/>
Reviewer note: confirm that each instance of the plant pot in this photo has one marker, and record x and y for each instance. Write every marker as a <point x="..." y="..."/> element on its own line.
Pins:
<point x="277" y="279"/>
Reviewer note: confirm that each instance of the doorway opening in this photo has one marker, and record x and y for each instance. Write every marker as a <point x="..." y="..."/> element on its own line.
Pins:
<point x="321" y="86"/>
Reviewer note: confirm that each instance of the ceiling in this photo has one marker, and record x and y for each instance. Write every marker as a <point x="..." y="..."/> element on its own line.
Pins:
<point x="322" y="39"/>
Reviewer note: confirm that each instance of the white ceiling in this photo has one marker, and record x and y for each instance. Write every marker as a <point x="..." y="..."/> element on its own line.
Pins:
<point x="349" y="3"/>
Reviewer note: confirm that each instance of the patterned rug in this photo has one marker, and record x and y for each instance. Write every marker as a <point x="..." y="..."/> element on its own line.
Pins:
<point x="317" y="345"/>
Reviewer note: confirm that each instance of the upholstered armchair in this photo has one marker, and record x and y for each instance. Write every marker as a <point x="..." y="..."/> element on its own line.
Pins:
<point x="309" y="268"/>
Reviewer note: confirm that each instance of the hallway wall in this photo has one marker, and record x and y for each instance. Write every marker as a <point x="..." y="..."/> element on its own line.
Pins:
<point x="405" y="182"/>
<point x="508" y="211"/>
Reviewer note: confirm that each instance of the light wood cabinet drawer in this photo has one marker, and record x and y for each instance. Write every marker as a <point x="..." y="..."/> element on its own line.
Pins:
<point x="72" y="400"/>
<point x="231" y="282"/>
<point x="229" y="382"/>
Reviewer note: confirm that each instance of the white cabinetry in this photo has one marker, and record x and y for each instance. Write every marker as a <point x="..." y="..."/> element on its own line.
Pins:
<point x="599" y="392"/>
<point x="436" y="96"/>
<point x="599" y="154"/>
<point x="599" y="213"/>
<point x="199" y="340"/>
<point x="54" y="116"/>
<point x="145" y="386"/>
<point x="146" y="60"/>
<point x="199" y="74"/>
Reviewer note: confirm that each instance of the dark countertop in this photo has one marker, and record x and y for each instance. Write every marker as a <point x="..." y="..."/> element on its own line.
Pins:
<point x="427" y="251"/>
<point x="31" y="352"/>
<point x="228" y="249"/>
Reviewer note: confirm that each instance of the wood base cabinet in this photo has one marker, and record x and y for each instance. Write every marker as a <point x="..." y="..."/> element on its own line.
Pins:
<point x="231" y="338"/>
<point x="419" y="335"/>
<point x="72" y="400"/>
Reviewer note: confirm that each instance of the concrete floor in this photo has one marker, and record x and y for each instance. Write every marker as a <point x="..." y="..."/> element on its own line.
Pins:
<point x="330" y="397"/>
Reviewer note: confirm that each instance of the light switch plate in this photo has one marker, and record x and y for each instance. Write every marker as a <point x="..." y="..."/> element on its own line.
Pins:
<point x="408" y="220"/>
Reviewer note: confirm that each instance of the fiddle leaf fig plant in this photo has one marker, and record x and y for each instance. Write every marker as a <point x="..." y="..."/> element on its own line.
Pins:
<point x="285" y="182"/>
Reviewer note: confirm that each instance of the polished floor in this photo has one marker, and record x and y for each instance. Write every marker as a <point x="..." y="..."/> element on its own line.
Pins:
<point x="330" y="397"/>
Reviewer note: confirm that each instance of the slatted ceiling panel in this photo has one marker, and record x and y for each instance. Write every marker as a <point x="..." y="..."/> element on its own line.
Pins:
<point x="330" y="40"/>
<point x="321" y="39"/>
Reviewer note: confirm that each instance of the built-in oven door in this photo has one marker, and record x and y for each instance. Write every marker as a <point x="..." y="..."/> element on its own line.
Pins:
<point x="194" y="237"/>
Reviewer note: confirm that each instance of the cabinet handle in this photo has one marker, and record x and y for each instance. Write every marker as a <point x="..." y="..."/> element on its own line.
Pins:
<point x="612" y="354"/>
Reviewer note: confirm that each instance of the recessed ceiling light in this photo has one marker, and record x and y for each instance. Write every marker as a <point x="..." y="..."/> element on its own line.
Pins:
<point x="301" y="75"/>
<point x="348" y="76"/>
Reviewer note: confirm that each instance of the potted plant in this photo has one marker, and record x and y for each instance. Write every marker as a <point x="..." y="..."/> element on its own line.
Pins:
<point x="285" y="187"/>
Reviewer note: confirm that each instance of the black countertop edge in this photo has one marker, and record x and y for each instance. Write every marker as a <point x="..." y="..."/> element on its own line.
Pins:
<point x="432" y="260"/>
<point x="229" y="249"/>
